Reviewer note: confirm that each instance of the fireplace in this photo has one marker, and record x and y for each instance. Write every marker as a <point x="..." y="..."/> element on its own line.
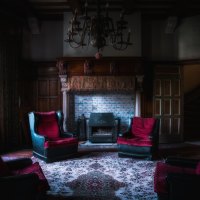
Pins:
<point x="102" y="128"/>
<point x="104" y="90"/>
<point x="81" y="105"/>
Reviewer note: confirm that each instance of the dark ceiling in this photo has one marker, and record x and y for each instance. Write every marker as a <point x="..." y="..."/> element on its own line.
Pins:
<point x="54" y="9"/>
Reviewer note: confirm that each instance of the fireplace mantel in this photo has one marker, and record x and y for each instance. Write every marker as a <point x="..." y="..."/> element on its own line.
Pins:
<point x="106" y="66"/>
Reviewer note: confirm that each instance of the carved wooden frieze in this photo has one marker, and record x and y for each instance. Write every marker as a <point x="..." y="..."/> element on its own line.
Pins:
<point x="100" y="83"/>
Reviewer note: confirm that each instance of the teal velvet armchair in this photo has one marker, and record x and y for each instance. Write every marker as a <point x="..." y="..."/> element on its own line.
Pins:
<point x="141" y="140"/>
<point x="49" y="141"/>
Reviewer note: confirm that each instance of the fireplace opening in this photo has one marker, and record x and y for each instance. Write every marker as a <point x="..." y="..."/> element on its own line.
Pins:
<point x="103" y="128"/>
<point x="102" y="131"/>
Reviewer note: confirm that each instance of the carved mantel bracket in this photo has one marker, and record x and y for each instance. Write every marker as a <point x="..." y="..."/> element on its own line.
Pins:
<point x="63" y="79"/>
<point x="139" y="89"/>
<point x="139" y="83"/>
<point x="62" y="67"/>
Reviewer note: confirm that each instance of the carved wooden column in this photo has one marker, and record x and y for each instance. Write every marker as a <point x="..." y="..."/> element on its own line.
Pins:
<point x="62" y="67"/>
<point x="139" y="88"/>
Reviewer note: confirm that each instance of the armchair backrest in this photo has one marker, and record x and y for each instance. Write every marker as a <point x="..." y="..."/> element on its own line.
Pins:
<point x="142" y="127"/>
<point x="48" y="124"/>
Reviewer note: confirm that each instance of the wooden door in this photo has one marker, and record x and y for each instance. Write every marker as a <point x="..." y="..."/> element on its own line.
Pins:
<point x="168" y="103"/>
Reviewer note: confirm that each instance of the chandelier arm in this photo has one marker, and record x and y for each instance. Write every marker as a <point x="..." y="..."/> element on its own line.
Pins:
<point x="98" y="30"/>
<point x="74" y="47"/>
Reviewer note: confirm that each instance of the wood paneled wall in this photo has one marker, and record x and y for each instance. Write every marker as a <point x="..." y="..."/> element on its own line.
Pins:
<point x="10" y="59"/>
<point x="39" y="91"/>
<point x="48" y="87"/>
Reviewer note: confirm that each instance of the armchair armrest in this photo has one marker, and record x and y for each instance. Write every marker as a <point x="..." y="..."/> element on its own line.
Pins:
<point x="182" y="162"/>
<point x="38" y="142"/>
<point x="38" y="138"/>
<point x="18" y="163"/>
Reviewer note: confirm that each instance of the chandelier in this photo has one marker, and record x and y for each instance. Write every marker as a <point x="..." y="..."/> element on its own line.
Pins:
<point x="98" y="30"/>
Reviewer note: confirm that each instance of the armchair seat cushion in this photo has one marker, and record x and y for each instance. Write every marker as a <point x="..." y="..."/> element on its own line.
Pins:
<point x="134" y="141"/>
<point x="60" y="142"/>
<point x="161" y="172"/>
<point x="36" y="169"/>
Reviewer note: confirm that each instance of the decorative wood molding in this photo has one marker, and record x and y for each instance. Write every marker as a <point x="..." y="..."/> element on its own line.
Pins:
<point x="100" y="83"/>
<point x="88" y="67"/>
<point x="175" y="62"/>
<point x="62" y="69"/>
<point x="190" y="61"/>
<point x="46" y="69"/>
<point x="106" y="66"/>
<point x="63" y="80"/>
<point x="139" y="83"/>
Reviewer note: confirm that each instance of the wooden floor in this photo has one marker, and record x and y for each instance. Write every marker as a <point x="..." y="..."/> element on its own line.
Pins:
<point x="190" y="150"/>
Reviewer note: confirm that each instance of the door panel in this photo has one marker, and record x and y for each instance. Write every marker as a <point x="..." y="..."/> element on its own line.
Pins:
<point x="43" y="88"/>
<point x="176" y="107"/>
<point x="176" y="87"/>
<point x="166" y="126"/>
<point x="167" y="88"/>
<point x="48" y="94"/>
<point x="53" y="88"/>
<point x="166" y="107"/>
<point x="43" y="104"/>
<point x="157" y="107"/>
<point x="176" y="125"/>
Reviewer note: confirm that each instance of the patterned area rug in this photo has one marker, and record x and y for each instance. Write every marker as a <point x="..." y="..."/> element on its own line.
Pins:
<point x="100" y="176"/>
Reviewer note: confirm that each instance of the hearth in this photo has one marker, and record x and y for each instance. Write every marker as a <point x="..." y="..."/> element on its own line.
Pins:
<point x="102" y="127"/>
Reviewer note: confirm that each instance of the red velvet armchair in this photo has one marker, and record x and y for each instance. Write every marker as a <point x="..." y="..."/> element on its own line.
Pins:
<point x="177" y="179"/>
<point x="141" y="140"/>
<point x="22" y="179"/>
<point x="49" y="141"/>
